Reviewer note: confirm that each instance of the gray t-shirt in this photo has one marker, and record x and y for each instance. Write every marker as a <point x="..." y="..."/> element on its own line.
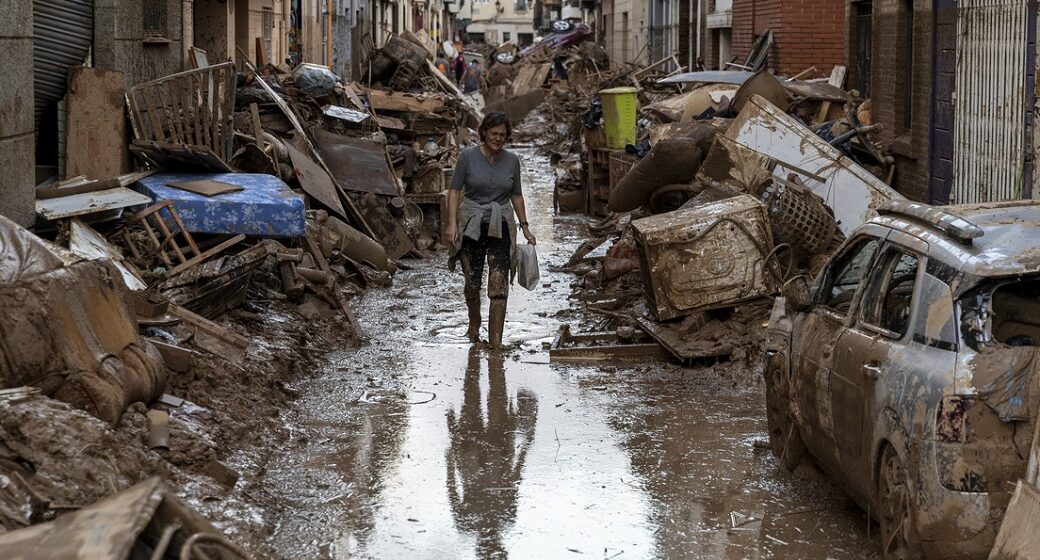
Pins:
<point x="482" y="181"/>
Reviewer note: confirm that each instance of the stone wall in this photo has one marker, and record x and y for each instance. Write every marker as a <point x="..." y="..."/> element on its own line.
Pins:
<point x="17" y="142"/>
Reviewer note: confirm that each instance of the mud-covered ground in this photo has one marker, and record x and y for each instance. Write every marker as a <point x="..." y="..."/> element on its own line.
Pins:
<point x="418" y="445"/>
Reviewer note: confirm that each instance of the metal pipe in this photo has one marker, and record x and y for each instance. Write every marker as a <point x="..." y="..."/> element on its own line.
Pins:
<point x="187" y="31"/>
<point x="700" y="4"/>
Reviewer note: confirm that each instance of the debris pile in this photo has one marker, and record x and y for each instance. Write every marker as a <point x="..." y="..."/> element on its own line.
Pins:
<point x="171" y="303"/>
<point x="708" y="191"/>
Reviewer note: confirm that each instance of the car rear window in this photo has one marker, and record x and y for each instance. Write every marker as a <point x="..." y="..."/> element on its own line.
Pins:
<point x="1002" y="313"/>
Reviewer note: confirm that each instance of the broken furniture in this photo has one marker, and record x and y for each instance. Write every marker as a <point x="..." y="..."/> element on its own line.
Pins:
<point x="569" y="347"/>
<point x="705" y="257"/>
<point x="168" y="238"/>
<point x="265" y="207"/>
<point x="848" y="189"/>
<point x="186" y="120"/>
<point x="143" y="521"/>
<point x="67" y="330"/>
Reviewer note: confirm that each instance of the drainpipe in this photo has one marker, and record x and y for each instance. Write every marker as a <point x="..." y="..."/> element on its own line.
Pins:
<point x="187" y="31"/>
<point x="700" y="15"/>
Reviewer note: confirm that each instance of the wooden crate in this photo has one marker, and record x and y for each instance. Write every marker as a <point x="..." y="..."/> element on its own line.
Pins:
<point x="620" y="164"/>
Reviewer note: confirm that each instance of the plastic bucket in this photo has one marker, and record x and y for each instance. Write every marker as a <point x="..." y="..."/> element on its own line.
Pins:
<point x="620" y="106"/>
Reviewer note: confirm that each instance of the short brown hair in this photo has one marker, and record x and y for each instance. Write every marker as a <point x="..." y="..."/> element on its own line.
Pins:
<point x="491" y="120"/>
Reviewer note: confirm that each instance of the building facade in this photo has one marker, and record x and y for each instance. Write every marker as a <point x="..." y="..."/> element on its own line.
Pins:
<point x="500" y="21"/>
<point x="954" y="85"/>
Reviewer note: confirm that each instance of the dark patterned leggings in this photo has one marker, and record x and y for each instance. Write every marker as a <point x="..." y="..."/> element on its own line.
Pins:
<point x="496" y="252"/>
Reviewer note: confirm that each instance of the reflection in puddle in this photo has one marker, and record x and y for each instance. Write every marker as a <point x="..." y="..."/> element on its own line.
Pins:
<point x="486" y="454"/>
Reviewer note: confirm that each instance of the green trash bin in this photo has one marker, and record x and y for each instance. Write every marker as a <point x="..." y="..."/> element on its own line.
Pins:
<point x="620" y="107"/>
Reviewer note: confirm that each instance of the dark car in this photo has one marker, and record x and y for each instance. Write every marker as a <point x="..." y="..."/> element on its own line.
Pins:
<point x="564" y="37"/>
<point x="908" y="371"/>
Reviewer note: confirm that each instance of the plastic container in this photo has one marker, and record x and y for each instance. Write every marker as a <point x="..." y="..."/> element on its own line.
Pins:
<point x="431" y="146"/>
<point x="620" y="108"/>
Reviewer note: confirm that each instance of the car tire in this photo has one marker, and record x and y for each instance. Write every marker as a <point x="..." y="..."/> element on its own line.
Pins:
<point x="899" y="539"/>
<point x="784" y="437"/>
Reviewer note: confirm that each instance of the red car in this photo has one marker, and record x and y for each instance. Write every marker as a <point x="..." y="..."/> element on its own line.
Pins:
<point x="570" y="34"/>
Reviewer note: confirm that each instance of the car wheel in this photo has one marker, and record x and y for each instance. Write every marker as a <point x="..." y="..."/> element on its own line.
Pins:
<point x="784" y="438"/>
<point x="899" y="540"/>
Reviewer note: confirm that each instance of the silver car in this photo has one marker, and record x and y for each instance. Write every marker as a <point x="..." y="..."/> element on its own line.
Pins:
<point x="907" y="370"/>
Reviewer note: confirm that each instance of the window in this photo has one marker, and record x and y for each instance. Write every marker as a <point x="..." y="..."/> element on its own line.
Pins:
<point x="505" y="36"/>
<point x="888" y="302"/>
<point x="935" y="323"/>
<point x="843" y="276"/>
<point x="520" y="6"/>
<point x="154" y="18"/>
<point x="267" y="28"/>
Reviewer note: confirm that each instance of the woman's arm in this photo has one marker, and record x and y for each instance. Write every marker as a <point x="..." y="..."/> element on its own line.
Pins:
<point x="452" y="227"/>
<point x="521" y="214"/>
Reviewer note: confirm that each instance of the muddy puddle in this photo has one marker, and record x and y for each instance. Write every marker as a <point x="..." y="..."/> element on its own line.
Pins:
<point x="419" y="446"/>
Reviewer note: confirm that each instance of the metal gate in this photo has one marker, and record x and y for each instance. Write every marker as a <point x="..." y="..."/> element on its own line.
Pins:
<point x="990" y="100"/>
<point x="63" y="32"/>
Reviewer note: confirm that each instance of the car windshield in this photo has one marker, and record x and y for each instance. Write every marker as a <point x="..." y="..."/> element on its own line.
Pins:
<point x="1002" y="313"/>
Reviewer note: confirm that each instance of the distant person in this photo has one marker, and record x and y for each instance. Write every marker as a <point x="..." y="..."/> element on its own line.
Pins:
<point x="442" y="63"/>
<point x="460" y="68"/>
<point x="471" y="81"/>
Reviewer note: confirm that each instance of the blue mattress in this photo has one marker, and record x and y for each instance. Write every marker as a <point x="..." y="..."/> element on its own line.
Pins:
<point x="266" y="208"/>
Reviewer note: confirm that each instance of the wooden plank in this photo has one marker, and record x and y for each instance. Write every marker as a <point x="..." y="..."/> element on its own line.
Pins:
<point x="258" y="130"/>
<point x="837" y="79"/>
<point x="323" y="264"/>
<point x="205" y="255"/>
<point x="212" y="337"/>
<point x="97" y="142"/>
<point x="206" y="187"/>
<point x="259" y="48"/>
<point x="393" y="101"/>
<point x="89" y="203"/>
<point x="151" y="108"/>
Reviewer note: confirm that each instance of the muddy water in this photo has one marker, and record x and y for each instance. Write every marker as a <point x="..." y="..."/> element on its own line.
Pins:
<point x="419" y="446"/>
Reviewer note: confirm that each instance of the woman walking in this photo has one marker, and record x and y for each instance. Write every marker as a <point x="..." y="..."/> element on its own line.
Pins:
<point x="482" y="228"/>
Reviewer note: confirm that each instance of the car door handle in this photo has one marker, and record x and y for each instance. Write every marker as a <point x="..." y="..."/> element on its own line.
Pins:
<point x="872" y="370"/>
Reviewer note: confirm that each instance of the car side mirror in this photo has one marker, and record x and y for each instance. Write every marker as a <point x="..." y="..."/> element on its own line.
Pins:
<point x="797" y="293"/>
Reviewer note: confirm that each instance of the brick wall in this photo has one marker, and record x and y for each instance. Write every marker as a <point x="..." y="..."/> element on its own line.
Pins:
<point x="751" y="18"/>
<point x="901" y="72"/>
<point x="812" y="33"/>
<point x="805" y="33"/>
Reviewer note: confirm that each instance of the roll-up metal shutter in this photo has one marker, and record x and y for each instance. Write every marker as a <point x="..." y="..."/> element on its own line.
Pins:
<point x="63" y="32"/>
<point x="990" y="100"/>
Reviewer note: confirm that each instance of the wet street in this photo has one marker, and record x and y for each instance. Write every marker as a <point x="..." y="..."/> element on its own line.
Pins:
<point x="421" y="446"/>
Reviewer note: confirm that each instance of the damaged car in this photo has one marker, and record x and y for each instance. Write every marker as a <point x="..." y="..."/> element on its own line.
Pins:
<point x="907" y="371"/>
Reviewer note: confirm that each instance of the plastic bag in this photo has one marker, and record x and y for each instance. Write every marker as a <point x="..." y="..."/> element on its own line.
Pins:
<point x="527" y="268"/>
<point x="314" y="79"/>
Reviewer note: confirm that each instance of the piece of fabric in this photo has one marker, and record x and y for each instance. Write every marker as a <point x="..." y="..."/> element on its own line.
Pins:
<point x="471" y="226"/>
<point x="496" y="252"/>
<point x="482" y="181"/>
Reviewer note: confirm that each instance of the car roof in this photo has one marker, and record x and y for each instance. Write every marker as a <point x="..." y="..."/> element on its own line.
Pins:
<point x="1009" y="245"/>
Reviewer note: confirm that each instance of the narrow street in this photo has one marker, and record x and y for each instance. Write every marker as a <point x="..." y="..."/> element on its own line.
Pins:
<point x="451" y="452"/>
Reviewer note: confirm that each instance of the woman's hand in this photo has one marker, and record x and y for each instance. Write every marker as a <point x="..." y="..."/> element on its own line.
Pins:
<point x="452" y="233"/>
<point x="529" y="235"/>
